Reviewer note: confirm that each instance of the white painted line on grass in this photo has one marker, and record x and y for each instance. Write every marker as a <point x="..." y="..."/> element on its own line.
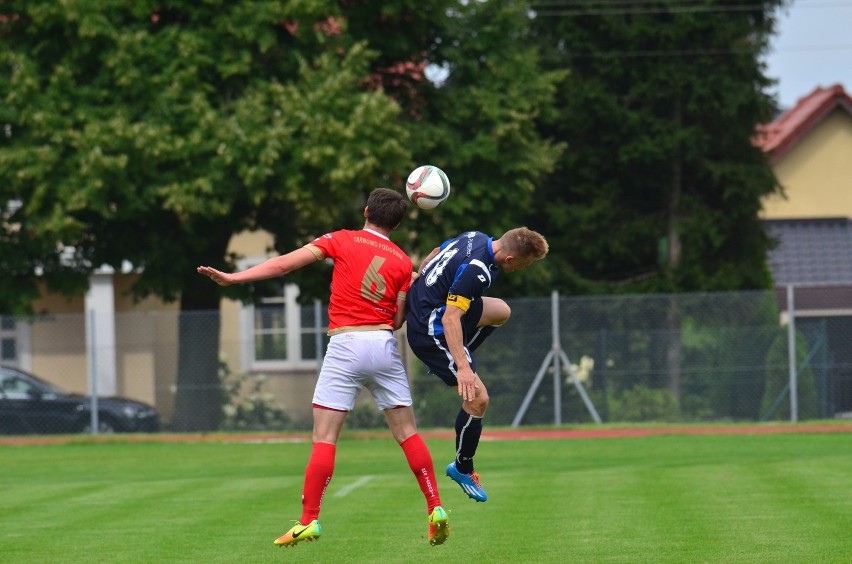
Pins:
<point x="346" y="490"/>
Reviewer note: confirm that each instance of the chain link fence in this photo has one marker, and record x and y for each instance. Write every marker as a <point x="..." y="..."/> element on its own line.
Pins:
<point x="609" y="359"/>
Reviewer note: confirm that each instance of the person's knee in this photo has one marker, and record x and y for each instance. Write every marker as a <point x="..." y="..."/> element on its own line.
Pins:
<point x="478" y="405"/>
<point x="401" y="423"/>
<point x="402" y="435"/>
<point x="482" y="399"/>
<point x="506" y="313"/>
<point x="496" y="312"/>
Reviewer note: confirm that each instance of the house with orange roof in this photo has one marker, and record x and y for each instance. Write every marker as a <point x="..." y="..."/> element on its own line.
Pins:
<point x="810" y="149"/>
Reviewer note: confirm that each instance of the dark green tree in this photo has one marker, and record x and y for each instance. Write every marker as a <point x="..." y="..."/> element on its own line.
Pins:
<point x="661" y="186"/>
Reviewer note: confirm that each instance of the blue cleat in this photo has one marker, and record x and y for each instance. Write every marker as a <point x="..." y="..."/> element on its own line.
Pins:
<point x="469" y="483"/>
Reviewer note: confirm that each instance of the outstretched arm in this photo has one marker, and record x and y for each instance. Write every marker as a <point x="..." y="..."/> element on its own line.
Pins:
<point x="271" y="268"/>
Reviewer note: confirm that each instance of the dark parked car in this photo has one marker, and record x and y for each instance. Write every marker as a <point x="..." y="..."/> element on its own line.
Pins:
<point x="31" y="405"/>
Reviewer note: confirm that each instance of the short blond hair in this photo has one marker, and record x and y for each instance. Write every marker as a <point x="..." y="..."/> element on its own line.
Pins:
<point x="523" y="243"/>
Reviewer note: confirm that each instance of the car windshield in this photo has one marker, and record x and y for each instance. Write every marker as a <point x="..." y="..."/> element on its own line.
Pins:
<point x="17" y="380"/>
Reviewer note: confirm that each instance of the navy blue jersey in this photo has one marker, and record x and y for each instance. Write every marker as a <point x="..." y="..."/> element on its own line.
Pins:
<point x="459" y="274"/>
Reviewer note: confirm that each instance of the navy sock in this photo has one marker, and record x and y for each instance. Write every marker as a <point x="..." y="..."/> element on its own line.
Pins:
<point x="468" y="430"/>
<point x="481" y="334"/>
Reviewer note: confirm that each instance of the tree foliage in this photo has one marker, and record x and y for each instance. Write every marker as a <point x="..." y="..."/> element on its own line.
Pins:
<point x="661" y="186"/>
<point x="150" y="134"/>
<point x="483" y="123"/>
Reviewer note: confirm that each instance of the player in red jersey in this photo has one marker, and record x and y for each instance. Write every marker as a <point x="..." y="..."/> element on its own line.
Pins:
<point x="368" y="289"/>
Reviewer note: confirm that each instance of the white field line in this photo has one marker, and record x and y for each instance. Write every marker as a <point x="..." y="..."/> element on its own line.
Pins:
<point x="346" y="490"/>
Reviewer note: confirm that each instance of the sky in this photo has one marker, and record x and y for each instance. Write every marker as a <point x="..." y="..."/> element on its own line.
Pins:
<point x="812" y="47"/>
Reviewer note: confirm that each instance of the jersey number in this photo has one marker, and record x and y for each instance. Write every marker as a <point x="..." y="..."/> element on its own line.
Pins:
<point x="440" y="263"/>
<point x="373" y="284"/>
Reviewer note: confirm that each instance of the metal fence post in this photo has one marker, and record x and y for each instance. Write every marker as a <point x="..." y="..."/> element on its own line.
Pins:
<point x="557" y="370"/>
<point x="791" y="352"/>
<point x="93" y="371"/>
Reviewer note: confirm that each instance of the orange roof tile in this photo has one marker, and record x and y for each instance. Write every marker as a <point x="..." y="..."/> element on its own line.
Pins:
<point x="779" y="136"/>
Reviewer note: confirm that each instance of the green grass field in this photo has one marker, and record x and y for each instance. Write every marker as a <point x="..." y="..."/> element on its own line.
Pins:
<point x="674" y="498"/>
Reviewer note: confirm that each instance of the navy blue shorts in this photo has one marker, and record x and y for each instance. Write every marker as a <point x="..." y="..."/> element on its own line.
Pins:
<point x="433" y="350"/>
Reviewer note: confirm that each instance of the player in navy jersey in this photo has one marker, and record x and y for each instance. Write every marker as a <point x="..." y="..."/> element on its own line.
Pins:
<point x="449" y="317"/>
<point x="368" y="290"/>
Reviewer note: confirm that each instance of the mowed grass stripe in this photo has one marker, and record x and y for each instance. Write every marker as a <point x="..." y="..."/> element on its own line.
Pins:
<point x="28" y="500"/>
<point x="770" y="498"/>
<point x="718" y="512"/>
<point x="161" y="516"/>
<point x="138" y="502"/>
<point x="801" y="497"/>
<point x="691" y="498"/>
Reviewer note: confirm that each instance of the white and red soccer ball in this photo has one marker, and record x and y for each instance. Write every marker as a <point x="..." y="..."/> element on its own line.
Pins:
<point x="427" y="186"/>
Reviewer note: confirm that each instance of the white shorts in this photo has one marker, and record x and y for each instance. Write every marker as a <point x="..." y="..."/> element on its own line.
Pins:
<point x="362" y="359"/>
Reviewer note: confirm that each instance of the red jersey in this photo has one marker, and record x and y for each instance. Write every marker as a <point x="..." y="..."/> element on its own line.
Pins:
<point x="370" y="274"/>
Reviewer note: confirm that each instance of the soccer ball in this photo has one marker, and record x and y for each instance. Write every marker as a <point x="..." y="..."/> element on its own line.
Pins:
<point x="427" y="186"/>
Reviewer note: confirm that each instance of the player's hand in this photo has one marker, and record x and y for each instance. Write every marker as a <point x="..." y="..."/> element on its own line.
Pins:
<point x="217" y="276"/>
<point x="467" y="383"/>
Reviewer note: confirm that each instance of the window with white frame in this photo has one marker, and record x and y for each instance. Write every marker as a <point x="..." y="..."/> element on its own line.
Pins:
<point x="8" y="340"/>
<point x="15" y="342"/>
<point x="279" y="333"/>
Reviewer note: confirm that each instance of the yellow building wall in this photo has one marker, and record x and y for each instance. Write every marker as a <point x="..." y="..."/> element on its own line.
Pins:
<point x="252" y="244"/>
<point x="59" y="351"/>
<point x="146" y="349"/>
<point x="816" y="173"/>
<point x="245" y="244"/>
<point x="124" y="300"/>
<point x="59" y="341"/>
<point x="146" y="353"/>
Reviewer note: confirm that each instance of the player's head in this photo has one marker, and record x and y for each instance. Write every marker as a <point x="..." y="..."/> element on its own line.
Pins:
<point x="385" y="208"/>
<point x="519" y="248"/>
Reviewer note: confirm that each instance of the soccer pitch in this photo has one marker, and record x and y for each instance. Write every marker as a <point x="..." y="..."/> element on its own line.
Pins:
<point x="674" y="498"/>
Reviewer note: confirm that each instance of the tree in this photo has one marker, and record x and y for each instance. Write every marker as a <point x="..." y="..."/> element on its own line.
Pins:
<point x="481" y="122"/>
<point x="151" y="134"/>
<point x="473" y="94"/>
<point x="661" y="186"/>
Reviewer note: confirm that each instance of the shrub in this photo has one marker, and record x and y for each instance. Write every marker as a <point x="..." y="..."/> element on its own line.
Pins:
<point x="245" y="405"/>
<point x="641" y="403"/>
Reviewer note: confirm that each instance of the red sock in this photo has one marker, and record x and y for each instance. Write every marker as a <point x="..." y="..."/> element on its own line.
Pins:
<point x="317" y="476"/>
<point x="420" y="462"/>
